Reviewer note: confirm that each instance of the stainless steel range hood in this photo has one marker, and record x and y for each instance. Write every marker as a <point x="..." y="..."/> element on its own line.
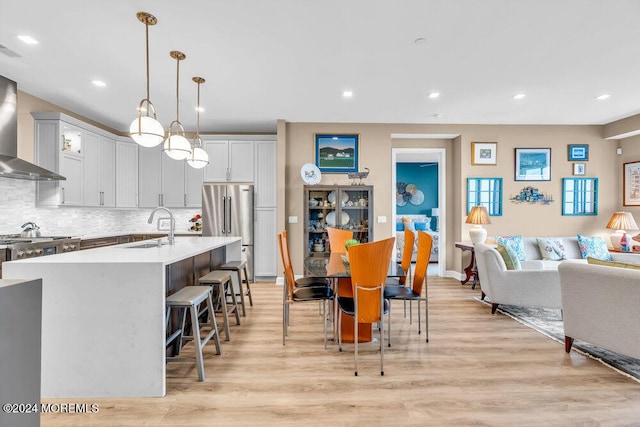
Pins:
<point x="10" y="165"/>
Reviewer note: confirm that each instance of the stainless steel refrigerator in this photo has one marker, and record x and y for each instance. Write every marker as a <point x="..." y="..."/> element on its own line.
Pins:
<point x="227" y="210"/>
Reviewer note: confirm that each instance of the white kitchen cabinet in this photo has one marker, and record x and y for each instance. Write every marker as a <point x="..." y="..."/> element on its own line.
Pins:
<point x="229" y="161"/>
<point x="59" y="148"/>
<point x="265" y="264"/>
<point x="126" y="174"/>
<point x="71" y="190"/>
<point x="149" y="177"/>
<point x="99" y="171"/>
<point x="193" y="186"/>
<point x="265" y="174"/>
<point x="163" y="181"/>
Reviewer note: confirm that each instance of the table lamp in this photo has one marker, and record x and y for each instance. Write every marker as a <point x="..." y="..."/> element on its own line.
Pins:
<point x="435" y="212"/>
<point x="478" y="216"/>
<point x="621" y="221"/>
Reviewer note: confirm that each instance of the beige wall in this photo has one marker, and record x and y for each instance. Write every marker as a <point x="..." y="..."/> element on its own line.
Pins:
<point x="526" y="219"/>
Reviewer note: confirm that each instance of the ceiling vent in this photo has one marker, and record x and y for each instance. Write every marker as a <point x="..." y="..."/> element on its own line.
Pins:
<point x="5" y="50"/>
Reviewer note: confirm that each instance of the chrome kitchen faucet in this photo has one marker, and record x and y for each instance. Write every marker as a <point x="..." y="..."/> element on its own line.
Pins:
<point x="172" y="219"/>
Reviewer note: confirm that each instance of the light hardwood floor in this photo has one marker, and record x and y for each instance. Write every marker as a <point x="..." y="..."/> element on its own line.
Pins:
<point x="478" y="369"/>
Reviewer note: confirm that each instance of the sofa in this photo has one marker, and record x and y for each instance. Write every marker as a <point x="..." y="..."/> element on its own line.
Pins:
<point x="525" y="287"/>
<point x="419" y="223"/>
<point x="537" y="282"/>
<point x="536" y="261"/>
<point x="601" y="305"/>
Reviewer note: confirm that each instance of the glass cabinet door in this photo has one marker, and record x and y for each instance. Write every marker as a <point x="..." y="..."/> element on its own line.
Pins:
<point x="344" y="207"/>
<point x="354" y="205"/>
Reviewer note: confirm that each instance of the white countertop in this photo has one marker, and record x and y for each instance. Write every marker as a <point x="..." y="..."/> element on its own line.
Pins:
<point x="125" y="233"/>
<point x="184" y="247"/>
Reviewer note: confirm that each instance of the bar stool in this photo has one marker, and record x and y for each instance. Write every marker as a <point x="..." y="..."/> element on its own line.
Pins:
<point x="221" y="280"/>
<point x="240" y="267"/>
<point x="189" y="298"/>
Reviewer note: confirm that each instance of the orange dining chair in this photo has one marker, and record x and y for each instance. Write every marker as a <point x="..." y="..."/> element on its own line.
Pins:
<point x="425" y="242"/>
<point x="337" y="238"/>
<point x="369" y="264"/>
<point x="314" y="289"/>
<point x="405" y="263"/>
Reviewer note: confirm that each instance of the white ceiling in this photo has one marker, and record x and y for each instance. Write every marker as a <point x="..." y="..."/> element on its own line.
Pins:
<point x="292" y="59"/>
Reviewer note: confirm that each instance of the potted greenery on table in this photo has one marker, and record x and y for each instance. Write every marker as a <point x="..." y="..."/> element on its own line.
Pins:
<point x="350" y="242"/>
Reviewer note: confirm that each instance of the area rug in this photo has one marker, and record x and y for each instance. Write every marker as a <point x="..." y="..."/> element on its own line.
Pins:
<point x="548" y="321"/>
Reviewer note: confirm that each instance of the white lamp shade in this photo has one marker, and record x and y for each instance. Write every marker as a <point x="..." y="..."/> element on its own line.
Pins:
<point x="478" y="234"/>
<point x="198" y="158"/>
<point x="149" y="134"/>
<point x="177" y="147"/>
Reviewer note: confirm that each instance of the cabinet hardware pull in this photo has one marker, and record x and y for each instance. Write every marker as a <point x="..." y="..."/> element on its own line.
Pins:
<point x="62" y="202"/>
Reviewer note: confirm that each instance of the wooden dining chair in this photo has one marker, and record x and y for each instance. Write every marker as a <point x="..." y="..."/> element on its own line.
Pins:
<point x="301" y="290"/>
<point x="337" y="238"/>
<point x="405" y="262"/>
<point x="425" y="242"/>
<point x="369" y="263"/>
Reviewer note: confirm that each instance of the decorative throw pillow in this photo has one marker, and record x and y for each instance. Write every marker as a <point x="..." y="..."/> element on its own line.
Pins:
<point x="514" y="242"/>
<point x="399" y="226"/>
<point x="510" y="257"/>
<point x="551" y="249"/>
<point x="618" y="264"/>
<point x="594" y="247"/>
<point x="420" y="226"/>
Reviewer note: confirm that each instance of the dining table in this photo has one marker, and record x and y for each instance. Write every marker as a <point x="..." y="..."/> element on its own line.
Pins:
<point x="335" y="266"/>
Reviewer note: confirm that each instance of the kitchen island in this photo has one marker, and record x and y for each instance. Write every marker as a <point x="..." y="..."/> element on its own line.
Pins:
<point x="103" y="312"/>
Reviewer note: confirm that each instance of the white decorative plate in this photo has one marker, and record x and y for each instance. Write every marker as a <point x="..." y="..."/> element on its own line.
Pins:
<point x="331" y="218"/>
<point x="417" y="198"/>
<point x="332" y="197"/>
<point x="310" y="174"/>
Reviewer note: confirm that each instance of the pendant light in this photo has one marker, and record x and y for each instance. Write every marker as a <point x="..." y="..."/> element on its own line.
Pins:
<point x="146" y="130"/>
<point x="176" y="145"/>
<point x="198" y="158"/>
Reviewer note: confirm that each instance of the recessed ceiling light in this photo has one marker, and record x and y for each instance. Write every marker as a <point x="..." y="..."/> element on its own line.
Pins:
<point x="420" y="40"/>
<point x="347" y="94"/>
<point x="27" y="39"/>
<point x="437" y="116"/>
<point x="519" y="96"/>
<point x="98" y="83"/>
<point x="434" y="95"/>
<point x="603" y="97"/>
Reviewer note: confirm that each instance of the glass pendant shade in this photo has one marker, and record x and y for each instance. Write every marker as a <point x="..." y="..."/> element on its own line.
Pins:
<point x="177" y="147"/>
<point x="198" y="158"/>
<point x="146" y="131"/>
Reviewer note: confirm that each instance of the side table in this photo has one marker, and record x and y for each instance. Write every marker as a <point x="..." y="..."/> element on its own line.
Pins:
<point x="470" y="270"/>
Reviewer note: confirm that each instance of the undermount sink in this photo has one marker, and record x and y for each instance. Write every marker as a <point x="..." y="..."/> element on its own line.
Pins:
<point x="147" y="245"/>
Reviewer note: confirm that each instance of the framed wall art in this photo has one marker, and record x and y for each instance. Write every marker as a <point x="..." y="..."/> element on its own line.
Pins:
<point x="579" y="168"/>
<point x="337" y="153"/>
<point x="578" y="152"/>
<point x="533" y="164"/>
<point x="631" y="184"/>
<point x="484" y="153"/>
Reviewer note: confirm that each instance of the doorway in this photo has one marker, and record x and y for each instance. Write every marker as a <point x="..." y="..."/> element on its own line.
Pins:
<point x="430" y="158"/>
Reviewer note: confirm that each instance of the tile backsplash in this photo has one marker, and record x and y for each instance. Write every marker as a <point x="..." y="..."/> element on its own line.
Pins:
<point x="17" y="206"/>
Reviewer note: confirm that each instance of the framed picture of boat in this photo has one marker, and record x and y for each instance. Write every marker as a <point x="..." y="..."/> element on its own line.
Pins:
<point x="337" y="153"/>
